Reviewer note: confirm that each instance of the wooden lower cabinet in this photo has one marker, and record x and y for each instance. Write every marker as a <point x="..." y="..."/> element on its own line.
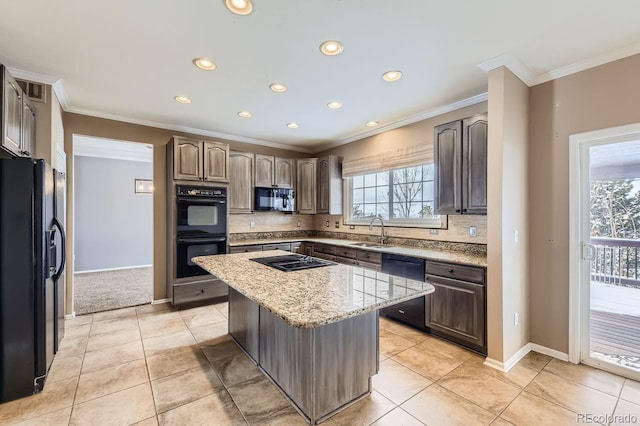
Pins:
<point x="457" y="310"/>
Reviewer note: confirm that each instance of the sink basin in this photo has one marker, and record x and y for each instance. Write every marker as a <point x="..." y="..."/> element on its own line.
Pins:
<point x="370" y="245"/>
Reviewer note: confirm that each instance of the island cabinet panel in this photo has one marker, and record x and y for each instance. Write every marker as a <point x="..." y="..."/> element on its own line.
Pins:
<point x="244" y="320"/>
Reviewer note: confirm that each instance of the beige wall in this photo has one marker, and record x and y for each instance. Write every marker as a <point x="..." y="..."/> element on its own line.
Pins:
<point x="507" y="276"/>
<point x="601" y="97"/>
<point x="98" y="127"/>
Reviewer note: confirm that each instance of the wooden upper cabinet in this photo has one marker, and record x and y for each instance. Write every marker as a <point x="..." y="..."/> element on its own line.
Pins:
<point x="474" y="164"/>
<point x="306" y="194"/>
<point x="448" y="159"/>
<point x="460" y="150"/>
<point x="28" y="130"/>
<point x="216" y="161"/>
<point x="240" y="182"/>
<point x="274" y="171"/>
<point x="187" y="159"/>
<point x="265" y="165"/>
<point x="200" y="160"/>
<point x="12" y="110"/>
<point x="329" y="185"/>
<point x="284" y="172"/>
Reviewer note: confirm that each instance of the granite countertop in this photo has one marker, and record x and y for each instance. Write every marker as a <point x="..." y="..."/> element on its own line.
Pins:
<point x="313" y="297"/>
<point x="472" y="259"/>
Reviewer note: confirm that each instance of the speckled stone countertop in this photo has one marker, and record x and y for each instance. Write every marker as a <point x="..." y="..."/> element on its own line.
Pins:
<point x="461" y="257"/>
<point x="313" y="297"/>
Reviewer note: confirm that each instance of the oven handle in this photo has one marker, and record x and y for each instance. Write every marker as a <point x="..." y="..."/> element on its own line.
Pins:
<point x="201" y="240"/>
<point x="200" y="201"/>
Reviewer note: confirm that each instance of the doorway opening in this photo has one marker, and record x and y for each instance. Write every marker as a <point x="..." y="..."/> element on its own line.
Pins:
<point x="608" y="267"/>
<point x="113" y="224"/>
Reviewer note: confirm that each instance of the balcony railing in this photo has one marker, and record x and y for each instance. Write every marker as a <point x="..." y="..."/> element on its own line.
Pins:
<point x="616" y="261"/>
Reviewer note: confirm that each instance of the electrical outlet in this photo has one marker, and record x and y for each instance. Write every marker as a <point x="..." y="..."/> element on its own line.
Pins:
<point x="252" y="224"/>
<point x="326" y="223"/>
<point x="516" y="319"/>
<point x="337" y="224"/>
<point x="433" y="231"/>
<point x="352" y="227"/>
<point x="473" y="231"/>
<point x="298" y="224"/>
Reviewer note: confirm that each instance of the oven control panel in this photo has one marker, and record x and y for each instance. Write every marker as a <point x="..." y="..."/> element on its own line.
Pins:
<point x="200" y="191"/>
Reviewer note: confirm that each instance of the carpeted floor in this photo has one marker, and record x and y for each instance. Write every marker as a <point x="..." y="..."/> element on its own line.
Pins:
<point x="103" y="291"/>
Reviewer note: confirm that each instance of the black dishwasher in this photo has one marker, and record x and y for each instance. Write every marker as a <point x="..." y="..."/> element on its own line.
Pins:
<point x="411" y="311"/>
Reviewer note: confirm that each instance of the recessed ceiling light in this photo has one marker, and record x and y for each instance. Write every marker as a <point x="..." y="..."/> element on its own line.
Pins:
<point x="278" y="87"/>
<point x="331" y="48"/>
<point x="204" y="64"/>
<point x="372" y="123"/>
<point x="245" y="114"/>
<point x="182" y="99"/>
<point x="239" y="7"/>
<point x="392" y="75"/>
<point x="334" y="105"/>
<point x="292" y="125"/>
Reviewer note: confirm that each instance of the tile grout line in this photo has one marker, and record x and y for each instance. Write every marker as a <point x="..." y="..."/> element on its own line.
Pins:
<point x="146" y="365"/>
<point x="75" y="393"/>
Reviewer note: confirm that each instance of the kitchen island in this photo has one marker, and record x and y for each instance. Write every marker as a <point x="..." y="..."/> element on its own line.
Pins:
<point x="313" y="332"/>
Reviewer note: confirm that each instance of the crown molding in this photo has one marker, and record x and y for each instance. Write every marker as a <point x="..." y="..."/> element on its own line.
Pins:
<point x="515" y="66"/>
<point x="592" y="62"/>
<point x="186" y="129"/>
<point x="530" y="79"/>
<point x="32" y="76"/>
<point x="410" y="120"/>
<point x="89" y="146"/>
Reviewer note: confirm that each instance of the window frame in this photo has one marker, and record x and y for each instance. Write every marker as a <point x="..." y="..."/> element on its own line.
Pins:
<point x="433" y="222"/>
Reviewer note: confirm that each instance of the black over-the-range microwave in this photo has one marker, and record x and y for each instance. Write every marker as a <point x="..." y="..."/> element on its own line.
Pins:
<point x="275" y="199"/>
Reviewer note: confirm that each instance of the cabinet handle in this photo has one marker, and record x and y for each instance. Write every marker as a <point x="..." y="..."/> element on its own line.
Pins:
<point x="400" y="311"/>
<point x="457" y="210"/>
<point x="464" y="210"/>
<point x="451" y="271"/>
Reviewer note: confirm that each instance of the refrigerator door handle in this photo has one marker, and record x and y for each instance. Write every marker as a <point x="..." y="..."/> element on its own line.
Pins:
<point x="63" y="259"/>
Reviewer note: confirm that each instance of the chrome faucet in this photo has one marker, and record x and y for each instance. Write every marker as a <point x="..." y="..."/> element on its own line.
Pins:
<point x="382" y="236"/>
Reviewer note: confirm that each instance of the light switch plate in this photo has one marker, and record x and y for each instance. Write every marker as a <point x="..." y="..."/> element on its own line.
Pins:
<point x="326" y="223"/>
<point x="337" y="224"/>
<point x="252" y="224"/>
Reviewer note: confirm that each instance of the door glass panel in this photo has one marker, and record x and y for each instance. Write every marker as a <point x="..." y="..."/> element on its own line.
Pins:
<point x="614" y="219"/>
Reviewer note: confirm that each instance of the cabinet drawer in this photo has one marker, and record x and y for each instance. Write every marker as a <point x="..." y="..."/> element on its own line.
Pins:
<point x="244" y="249"/>
<point x="194" y="292"/>
<point x="411" y="311"/>
<point x="369" y="256"/>
<point x="346" y="252"/>
<point x="369" y="265"/>
<point x="277" y="246"/>
<point x="325" y="256"/>
<point x="324" y="248"/>
<point x="458" y="272"/>
<point x="346" y="260"/>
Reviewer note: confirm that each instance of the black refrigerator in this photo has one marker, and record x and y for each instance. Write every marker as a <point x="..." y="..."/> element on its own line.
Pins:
<point x="32" y="259"/>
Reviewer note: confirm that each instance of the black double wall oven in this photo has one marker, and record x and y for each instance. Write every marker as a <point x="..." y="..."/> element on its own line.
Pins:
<point x="201" y="226"/>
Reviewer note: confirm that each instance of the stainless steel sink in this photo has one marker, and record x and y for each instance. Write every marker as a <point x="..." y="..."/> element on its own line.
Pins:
<point x="370" y="245"/>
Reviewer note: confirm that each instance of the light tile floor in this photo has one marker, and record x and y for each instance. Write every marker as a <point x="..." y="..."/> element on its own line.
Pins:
<point x="152" y="365"/>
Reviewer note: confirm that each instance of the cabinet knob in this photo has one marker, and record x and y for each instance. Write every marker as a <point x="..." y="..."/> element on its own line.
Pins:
<point x="457" y="210"/>
<point x="451" y="271"/>
<point x="202" y="290"/>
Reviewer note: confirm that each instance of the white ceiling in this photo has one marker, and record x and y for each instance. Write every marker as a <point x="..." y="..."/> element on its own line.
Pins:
<point x="127" y="59"/>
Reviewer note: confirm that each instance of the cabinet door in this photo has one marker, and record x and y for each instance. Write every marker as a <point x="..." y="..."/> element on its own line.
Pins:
<point x="474" y="165"/>
<point x="285" y="170"/>
<point x="11" y="138"/>
<point x="240" y="182"/>
<point x="216" y="161"/>
<point x="264" y="170"/>
<point x="456" y="310"/>
<point x="28" y="129"/>
<point x="187" y="159"/>
<point x="306" y="193"/>
<point x="323" y="185"/>
<point x="447" y="151"/>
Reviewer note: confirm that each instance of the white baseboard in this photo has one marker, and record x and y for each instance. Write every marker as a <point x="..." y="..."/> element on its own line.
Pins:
<point x="160" y="301"/>
<point x="112" y="269"/>
<point x="548" y="351"/>
<point x="522" y="352"/>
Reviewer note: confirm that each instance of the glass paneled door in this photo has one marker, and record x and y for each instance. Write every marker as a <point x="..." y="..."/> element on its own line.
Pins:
<point x="610" y="264"/>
